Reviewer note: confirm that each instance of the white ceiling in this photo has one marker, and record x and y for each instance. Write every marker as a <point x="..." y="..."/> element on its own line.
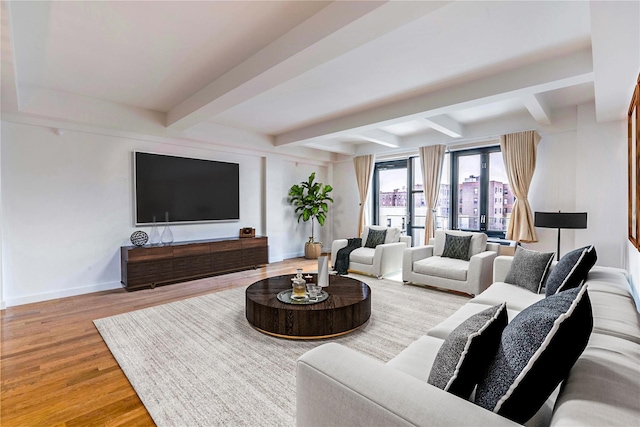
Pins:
<point x="345" y="77"/>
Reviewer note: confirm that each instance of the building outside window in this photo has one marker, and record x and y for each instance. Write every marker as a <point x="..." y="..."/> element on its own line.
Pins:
<point x="478" y="175"/>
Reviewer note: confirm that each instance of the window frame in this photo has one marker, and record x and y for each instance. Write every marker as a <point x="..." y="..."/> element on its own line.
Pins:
<point x="485" y="166"/>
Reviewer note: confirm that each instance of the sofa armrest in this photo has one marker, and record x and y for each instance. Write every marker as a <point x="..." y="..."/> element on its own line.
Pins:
<point x="495" y="247"/>
<point x="337" y="386"/>
<point x="406" y="240"/>
<point x="388" y="257"/>
<point x="335" y="247"/>
<point x="481" y="268"/>
<point x="501" y="267"/>
<point x="411" y="255"/>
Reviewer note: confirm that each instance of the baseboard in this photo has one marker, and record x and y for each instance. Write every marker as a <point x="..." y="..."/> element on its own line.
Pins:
<point x="293" y="255"/>
<point x="29" y="299"/>
<point x="301" y="253"/>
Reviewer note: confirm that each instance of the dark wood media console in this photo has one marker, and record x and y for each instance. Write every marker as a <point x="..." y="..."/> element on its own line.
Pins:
<point x="151" y="266"/>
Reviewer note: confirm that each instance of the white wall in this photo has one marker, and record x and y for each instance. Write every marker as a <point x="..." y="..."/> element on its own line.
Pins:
<point x="2" y="302"/>
<point x="67" y="207"/>
<point x="584" y="171"/>
<point x="553" y="187"/>
<point x="633" y="267"/>
<point x="67" y="201"/>
<point x="347" y="201"/>
<point x="601" y="190"/>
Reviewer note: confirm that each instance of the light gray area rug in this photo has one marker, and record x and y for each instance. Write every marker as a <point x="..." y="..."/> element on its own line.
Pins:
<point x="197" y="362"/>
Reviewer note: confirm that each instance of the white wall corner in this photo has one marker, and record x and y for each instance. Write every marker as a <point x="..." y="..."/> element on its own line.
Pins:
<point x="46" y="296"/>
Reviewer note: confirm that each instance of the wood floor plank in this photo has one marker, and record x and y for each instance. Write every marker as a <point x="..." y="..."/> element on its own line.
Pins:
<point x="55" y="369"/>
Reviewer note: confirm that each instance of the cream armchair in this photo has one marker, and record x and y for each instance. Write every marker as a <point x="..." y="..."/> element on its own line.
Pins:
<point x="425" y="265"/>
<point x="379" y="261"/>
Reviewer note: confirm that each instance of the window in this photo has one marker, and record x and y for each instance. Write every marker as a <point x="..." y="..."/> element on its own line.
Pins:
<point x="483" y="200"/>
<point x="479" y="175"/>
<point x="399" y="200"/>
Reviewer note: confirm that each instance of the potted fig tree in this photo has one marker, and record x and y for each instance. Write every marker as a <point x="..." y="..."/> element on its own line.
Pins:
<point x="311" y="201"/>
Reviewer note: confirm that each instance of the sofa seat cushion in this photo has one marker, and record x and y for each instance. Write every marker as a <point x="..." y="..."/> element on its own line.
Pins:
<point x="517" y="298"/>
<point x="448" y="268"/>
<point x="444" y="328"/>
<point x="603" y="387"/>
<point x="417" y="359"/>
<point x="362" y="256"/>
<point x="615" y="315"/>
<point x="607" y="279"/>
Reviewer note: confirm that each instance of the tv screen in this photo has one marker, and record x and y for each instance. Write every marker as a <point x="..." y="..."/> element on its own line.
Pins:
<point x="185" y="190"/>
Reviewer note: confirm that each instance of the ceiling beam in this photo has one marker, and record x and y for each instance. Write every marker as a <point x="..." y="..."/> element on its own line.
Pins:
<point x="332" y="32"/>
<point x="446" y="125"/>
<point x="379" y="137"/>
<point x="333" y="147"/>
<point x="537" y="108"/>
<point x="551" y="74"/>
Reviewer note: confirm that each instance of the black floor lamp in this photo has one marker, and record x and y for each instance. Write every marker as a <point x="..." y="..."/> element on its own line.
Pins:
<point x="560" y="220"/>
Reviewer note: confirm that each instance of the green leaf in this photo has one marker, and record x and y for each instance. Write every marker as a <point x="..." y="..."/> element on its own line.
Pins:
<point x="310" y="199"/>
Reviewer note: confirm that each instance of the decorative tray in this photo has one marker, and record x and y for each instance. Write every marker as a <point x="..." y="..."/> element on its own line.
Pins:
<point x="285" y="297"/>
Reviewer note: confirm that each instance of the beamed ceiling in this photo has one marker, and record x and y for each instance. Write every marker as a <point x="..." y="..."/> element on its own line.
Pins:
<point x="345" y="77"/>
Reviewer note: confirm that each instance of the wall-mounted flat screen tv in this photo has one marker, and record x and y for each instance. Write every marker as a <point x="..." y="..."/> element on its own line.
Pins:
<point x="184" y="190"/>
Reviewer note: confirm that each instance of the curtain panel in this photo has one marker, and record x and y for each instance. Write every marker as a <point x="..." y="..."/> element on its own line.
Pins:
<point x="364" y="172"/>
<point x="519" y="154"/>
<point x="431" y="159"/>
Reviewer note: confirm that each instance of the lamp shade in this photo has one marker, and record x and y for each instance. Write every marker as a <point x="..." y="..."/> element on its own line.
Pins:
<point x="561" y="219"/>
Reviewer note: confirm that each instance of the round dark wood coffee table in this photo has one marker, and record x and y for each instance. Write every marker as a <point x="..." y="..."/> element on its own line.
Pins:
<point x="347" y="308"/>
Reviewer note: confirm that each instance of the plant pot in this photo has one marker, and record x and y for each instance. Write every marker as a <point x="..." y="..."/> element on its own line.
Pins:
<point x="312" y="250"/>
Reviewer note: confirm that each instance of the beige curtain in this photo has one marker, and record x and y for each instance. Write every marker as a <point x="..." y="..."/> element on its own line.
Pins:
<point x="519" y="154"/>
<point x="364" y="172"/>
<point x="431" y="158"/>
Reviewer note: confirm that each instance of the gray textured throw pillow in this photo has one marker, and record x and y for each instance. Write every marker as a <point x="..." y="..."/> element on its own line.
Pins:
<point x="375" y="238"/>
<point x="529" y="269"/>
<point x="537" y="350"/>
<point x="571" y="270"/>
<point x="468" y="351"/>
<point x="456" y="247"/>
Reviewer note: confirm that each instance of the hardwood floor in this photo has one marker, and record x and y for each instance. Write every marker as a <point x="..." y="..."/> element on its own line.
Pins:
<point x="57" y="371"/>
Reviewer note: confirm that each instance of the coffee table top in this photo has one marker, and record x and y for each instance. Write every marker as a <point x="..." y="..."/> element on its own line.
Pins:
<point x="347" y="307"/>
<point x="343" y="291"/>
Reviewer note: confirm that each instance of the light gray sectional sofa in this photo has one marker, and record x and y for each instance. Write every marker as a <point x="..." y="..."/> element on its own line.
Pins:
<point x="337" y="386"/>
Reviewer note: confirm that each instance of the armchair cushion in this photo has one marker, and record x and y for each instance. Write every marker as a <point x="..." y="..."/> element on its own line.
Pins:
<point x="393" y="233"/>
<point x="478" y="241"/>
<point x="449" y="268"/>
<point x="456" y="247"/>
<point x="363" y="256"/>
<point x="375" y="238"/>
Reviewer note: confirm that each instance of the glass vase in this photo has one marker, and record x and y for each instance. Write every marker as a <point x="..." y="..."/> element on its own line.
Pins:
<point x="167" y="235"/>
<point x="154" y="234"/>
